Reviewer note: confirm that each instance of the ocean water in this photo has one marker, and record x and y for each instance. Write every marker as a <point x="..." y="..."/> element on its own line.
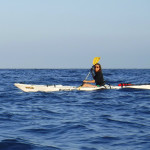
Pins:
<point x="74" y="120"/>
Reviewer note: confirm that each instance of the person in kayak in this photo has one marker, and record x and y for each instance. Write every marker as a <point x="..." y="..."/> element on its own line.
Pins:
<point x="97" y="76"/>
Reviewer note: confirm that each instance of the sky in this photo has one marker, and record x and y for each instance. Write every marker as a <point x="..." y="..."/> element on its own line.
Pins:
<point x="70" y="33"/>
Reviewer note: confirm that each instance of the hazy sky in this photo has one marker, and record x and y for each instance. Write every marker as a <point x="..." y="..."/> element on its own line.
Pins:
<point x="70" y="33"/>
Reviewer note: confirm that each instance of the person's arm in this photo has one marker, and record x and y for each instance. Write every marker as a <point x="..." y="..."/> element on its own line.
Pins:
<point x="90" y="81"/>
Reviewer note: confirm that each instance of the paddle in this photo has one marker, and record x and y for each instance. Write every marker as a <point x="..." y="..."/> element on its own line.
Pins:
<point x="95" y="61"/>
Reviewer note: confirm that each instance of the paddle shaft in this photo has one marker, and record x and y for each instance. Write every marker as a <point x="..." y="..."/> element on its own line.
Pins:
<point x="87" y="76"/>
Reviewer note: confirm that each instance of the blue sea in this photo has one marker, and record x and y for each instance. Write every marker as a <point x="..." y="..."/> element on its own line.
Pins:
<point x="74" y="120"/>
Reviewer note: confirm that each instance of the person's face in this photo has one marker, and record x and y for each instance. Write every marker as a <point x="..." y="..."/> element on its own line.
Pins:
<point x="97" y="68"/>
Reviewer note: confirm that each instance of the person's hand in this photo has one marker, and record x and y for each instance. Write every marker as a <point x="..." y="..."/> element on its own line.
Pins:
<point x="84" y="81"/>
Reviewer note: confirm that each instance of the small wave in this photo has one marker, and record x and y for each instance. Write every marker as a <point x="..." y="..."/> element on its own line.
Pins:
<point x="48" y="112"/>
<point x="13" y="144"/>
<point x="19" y="144"/>
<point x="37" y="131"/>
<point x="104" y="139"/>
<point x="88" y="148"/>
<point x="127" y="123"/>
<point x="6" y="116"/>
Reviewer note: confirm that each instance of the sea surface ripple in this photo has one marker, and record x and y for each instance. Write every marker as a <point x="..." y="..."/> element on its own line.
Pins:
<point x="74" y="120"/>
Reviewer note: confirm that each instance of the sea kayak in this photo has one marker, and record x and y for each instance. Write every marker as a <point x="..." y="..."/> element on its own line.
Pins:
<point x="53" y="88"/>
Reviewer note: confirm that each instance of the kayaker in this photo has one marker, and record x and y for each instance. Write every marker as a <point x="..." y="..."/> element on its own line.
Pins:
<point x="97" y="76"/>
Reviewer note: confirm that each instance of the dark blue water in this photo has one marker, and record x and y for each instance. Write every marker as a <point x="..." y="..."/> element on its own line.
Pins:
<point x="74" y="120"/>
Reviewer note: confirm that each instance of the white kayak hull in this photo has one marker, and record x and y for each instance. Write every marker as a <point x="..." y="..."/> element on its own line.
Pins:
<point x="43" y="88"/>
<point x="53" y="88"/>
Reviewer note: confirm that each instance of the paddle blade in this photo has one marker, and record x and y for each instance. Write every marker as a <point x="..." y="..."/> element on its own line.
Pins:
<point x="96" y="60"/>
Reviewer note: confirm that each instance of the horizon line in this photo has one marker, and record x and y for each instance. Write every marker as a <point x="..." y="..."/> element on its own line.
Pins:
<point x="68" y="68"/>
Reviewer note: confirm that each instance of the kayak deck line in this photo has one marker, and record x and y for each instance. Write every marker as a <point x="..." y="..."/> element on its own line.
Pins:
<point x="53" y="88"/>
